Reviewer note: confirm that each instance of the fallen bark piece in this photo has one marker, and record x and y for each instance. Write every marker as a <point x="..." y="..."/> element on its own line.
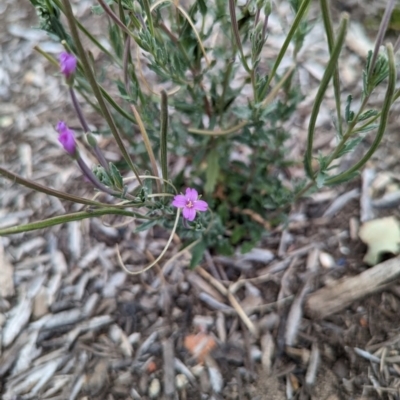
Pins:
<point x="332" y="299"/>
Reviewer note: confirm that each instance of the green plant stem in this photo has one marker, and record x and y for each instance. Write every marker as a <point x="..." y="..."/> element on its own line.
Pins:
<point x="116" y="106"/>
<point x="253" y="85"/>
<point x="330" y="68"/>
<point x="225" y="85"/>
<point x="349" y="132"/>
<point x="236" y="35"/>
<point x="147" y="10"/>
<point x="51" y="192"/>
<point x="93" y="83"/>
<point x="383" y="121"/>
<point x="299" y="16"/>
<point x="163" y="137"/>
<point x="336" y="80"/>
<point x="147" y="145"/>
<point x="65" y="218"/>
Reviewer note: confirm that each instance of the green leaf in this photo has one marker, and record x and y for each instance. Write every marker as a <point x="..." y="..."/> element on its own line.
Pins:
<point x="367" y="114"/>
<point x="202" y="7"/>
<point x="116" y="176"/>
<point x="146" y="225"/>
<point x="238" y="233"/>
<point x="197" y="254"/>
<point x="212" y="171"/>
<point x="320" y="180"/>
<point x="338" y="179"/>
<point x="348" y="114"/>
<point x="350" y="146"/>
<point x="367" y="128"/>
<point x="102" y="175"/>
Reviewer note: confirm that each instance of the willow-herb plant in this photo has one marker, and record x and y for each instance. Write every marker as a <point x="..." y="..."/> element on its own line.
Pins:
<point x="205" y="56"/>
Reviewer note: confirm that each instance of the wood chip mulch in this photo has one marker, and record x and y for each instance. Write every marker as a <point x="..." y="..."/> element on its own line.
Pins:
<point x="299" y="317"/>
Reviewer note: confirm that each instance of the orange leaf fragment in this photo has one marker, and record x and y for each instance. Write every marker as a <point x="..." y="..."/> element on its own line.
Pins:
<point x="151" y="367"/>
<point x="199" y="345"/>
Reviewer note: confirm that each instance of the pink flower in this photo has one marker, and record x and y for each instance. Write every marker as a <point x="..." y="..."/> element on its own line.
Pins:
<point x="190" y="203"/>
<point x="67" y="64"/>
<point x="67" y="138"/>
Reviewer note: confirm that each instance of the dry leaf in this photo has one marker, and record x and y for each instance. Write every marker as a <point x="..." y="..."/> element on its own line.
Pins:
<point x="382" y="236"/>
<point x="199" y="345"/>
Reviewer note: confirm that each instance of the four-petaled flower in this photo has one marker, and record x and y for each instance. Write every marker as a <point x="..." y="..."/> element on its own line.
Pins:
<point x="190" y="203"/>
<point x="67" y="64"/>
<point x="66" y="137"/>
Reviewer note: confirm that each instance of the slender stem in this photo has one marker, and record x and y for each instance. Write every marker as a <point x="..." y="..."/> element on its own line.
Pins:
<point x="349" y="132"/>
<point x="326" y="16"/>
<point x="65" y="218"/>
<point x="126" y="64"/>
<point x="220" y="132"/>
<point x="321" y="92"/>
<point x="93" y="83"/>
<point x="381" y="33"/>
<point x="93" y="178"/>
<point x="163" y="136"/>
<point x="225" y="85"/>
<point x="78" y="110"/>
<point x="149" y="16"/>
<point x="272" y="94"/>
<point x="299" y="16"/>
<point x="51" y="192"/>
<point x="236" y="35"/>
<point x="147" y="144"/>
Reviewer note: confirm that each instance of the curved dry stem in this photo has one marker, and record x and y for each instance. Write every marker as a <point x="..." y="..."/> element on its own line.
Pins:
<point x="120" y="225"/>
<point x="121" y="263"/>
<point x="179" y="253"/>
<point x="147" y="144"/>
<point x="271" y="96"/>
<point x="220" y="132"/>
<point x="132" y="178"/>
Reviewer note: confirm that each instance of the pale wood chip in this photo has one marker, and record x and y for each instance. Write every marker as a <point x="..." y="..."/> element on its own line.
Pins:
<point x="220" y="326"/>
<point x="6" y="275"/>
<point x="18" y="318"/>
<point x="63" y="318"/>
<point x="341" y="202"/>
<point x="75" y="239"/>
<point x="366" y="207"/>
<point x="214" y="374"/>
<point x="202" y="285"/>
<point x="29" y="247"/>
<point x="268" y="349"/>
<point x="183" y="369"/>
<point x="312" y="369"/>
<point x="169" y="372"/>
<point x="294" y="317"/>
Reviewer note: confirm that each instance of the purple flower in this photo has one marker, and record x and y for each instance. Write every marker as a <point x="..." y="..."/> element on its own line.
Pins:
<point x="67" y="64"/>
<point x="66" y="137"/>
<point x="190" y="203"/>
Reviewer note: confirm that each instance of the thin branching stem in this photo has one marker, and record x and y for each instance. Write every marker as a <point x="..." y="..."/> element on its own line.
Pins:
<point x="95" y="87"/>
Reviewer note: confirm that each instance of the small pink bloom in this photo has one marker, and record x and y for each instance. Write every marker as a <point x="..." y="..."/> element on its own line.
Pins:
<point x="67" y="64"/>
<point x="66" y="137"/>
<point x="190" y="203"/>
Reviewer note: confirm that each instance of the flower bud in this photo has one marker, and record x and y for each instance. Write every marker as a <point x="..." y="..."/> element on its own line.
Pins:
<point x="137" y="8"/>
<point x="268" y="8"/>
<point x="68" y="64"/>
<point x="67" y="138"/>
